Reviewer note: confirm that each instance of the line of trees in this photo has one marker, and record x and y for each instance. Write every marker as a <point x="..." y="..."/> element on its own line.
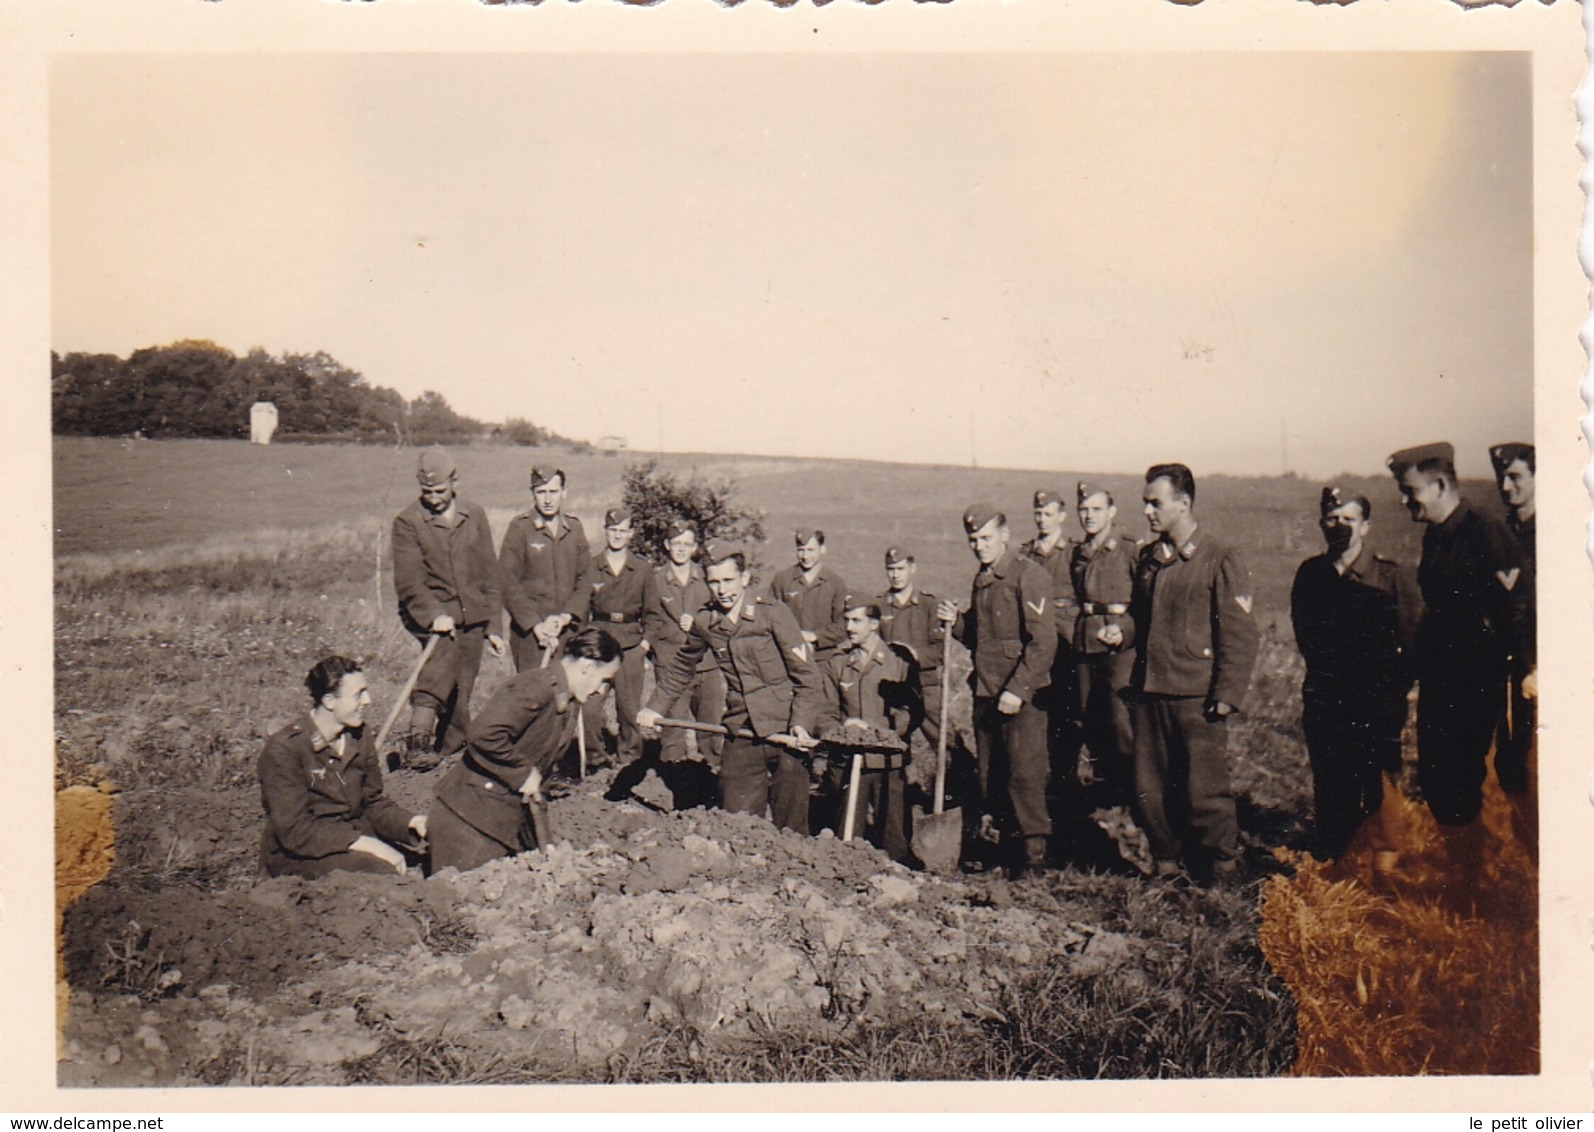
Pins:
<point x="195" y="388"/>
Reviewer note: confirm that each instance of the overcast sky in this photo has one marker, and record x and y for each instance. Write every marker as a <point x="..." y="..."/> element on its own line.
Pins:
<point x="1078" y="262"/>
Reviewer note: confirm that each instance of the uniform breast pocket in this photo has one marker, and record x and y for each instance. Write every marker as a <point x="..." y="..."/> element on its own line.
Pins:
<point x="1012" y="649"/>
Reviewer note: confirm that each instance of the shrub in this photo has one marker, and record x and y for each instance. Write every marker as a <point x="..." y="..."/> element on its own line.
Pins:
<point x="656" y="497"/>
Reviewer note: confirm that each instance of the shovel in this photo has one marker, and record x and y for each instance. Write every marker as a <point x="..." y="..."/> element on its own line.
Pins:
<point x="404" y="694"/>
<point x="715" y="729"/>
<point x="938" y="836"/>
<point x="537" y="807"/>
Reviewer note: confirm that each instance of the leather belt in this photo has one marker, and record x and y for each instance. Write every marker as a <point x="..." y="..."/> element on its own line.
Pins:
<point x="616" y="619"/>
<point x="1115" y="608"/>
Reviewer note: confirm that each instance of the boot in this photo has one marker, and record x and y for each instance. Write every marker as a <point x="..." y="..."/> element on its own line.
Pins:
<point x="1463" y="855"/>
<point x="419" y="751"/>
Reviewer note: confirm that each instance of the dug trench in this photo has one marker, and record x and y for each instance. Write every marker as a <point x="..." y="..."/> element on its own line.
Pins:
<point x="645" y="944"/>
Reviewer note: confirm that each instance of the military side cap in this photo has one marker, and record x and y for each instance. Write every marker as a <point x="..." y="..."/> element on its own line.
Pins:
<point x="1334" y="497"/>
<point x="435" y="467"/>
<point x="803" y="534"/>
<point x="864" y="602"/>
<point x="541" y="475"/>
<point x="976" y="515"/>
<point x="1086" y="489"/>
<point x="614" y="516"/>
<point x="1407" y="458"/>
<point x="677" y="527"/>
<point x="717" y="550"/>
<point x="1502" y="456"/>
<point x="895" y="554"/>
<point x="1044" y="496"/>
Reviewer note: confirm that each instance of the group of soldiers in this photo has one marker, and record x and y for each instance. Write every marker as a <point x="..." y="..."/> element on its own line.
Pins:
<point x="1135" y="656"/>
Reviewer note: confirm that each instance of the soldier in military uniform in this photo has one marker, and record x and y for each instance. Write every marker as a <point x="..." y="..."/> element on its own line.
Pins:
<point x="682" y="595"/>
<point x="872" y="685"/>
<point x="1476" y="591"/>
<point x="1195" y="645"/>
<point x="523" y="730"/>
<point x="321" y="782"/>
<point x="1102" y="572"/>
<point x="547" y="570"/>
<point x="907" y="618"/>
<point x="772" y="688"/>
<point x="623" y="596"/>
<point x="1515" y="764"/>
<point x="814" y="594"/>
<point x="446" y="578"/>
<point x="1010" y="629"/>
<point x="1355" y="615"/>
<point x="1051" y="550"/>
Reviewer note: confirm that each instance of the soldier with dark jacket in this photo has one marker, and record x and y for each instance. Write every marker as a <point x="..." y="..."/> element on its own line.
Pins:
<point x="1195" y="645"/>
<point x="547" y="571"/>
<point x="1355" y="615"/>
<point x="1102" y="572"/>
<point x="1010" y="629"/>
<point x="1515" y="761"/>
<point x="1052" y="551"/>
<point x="1473" y="637"/>
<point x="623" y="597"/>
<point x="321" y="782"/>
<point x="522" y="732"/>
<point x="876" y="686"/>
<point x="772" y="689"/>
<point x="446" y="577"/>
<point x="814" y="594"/>
<point x="681" y="596"/>
<point x="907" y="618"/>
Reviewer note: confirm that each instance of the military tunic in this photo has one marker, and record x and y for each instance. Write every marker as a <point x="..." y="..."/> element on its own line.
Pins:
<point x="911" y="622"/>
<point x="1477" y="590"/>
<point x="547" y="569"/>
<point x="818" y="606"/>
<point x="704" y="699"/>
<point x="318" y="801"/>
<point x="480" y="815"/>
<point x="1102" y="579"/>
<point x="1355" y="632"/>
<point x="878" y="684"/>
<point x="1513" y="758"/>
<point x="1012" y="632"/>
<point x="771" y="686"/>
<point x="1196" y="643"/>
<point x="439" y="570"/>
<point x="621" y="603"/>
<point x="1060" y="700"/>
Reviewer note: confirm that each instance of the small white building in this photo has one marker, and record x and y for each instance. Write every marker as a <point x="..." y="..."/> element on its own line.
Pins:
<point x="262" y="422"/>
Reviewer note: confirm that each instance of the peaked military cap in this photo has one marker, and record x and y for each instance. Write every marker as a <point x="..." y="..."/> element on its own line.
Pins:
<point x="541" y="475"/>
<point x="435" y="467"/>
<point x="614" y="516"/>
<point x="1334" y="497"/>
<point x="1502" y="456"/>
<point x="1045" y="496"/>
<point x="976" y="515"/>
<point x="1407" y="458"/>
<point x="895" y="554"/>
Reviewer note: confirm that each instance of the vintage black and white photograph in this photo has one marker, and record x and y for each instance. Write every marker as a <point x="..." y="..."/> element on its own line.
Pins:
<point x="613" y="568"/>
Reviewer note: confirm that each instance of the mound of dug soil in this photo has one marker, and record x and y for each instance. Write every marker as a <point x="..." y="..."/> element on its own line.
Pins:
<point x="637" y="921"/>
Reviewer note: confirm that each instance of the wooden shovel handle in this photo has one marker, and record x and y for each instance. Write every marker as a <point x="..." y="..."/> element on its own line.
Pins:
<point x="940" y="739"/>
<point x="404" y="693"/>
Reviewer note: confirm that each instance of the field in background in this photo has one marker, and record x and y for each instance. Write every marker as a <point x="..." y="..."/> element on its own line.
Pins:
<point x="197" y="581"/>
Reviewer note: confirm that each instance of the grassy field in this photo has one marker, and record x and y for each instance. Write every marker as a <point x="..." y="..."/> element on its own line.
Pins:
<point x="197" y="581"/>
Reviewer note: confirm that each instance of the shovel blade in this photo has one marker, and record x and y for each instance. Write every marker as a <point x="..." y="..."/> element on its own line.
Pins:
<point x="938" y="840"/>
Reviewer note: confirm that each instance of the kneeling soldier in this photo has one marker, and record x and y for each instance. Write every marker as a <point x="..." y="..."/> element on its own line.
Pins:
<point x="321" y="783"/>
<point x="521" y="733"/>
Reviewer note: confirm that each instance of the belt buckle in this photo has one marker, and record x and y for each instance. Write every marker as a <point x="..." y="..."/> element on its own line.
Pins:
<point x="616" y="618"/>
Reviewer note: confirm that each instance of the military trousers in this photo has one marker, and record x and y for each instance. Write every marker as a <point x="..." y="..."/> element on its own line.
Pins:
<point x="1459" y="710"/>
<point x="627" y="702"/>
<point x="1014" y="766"/>
<point x="457" y="844"/>
<point x="1109" y="734"/>
<point x="447" y="681"/>
<point x="1513" y="746"/>
<point x="1183" y="798"/>
<point x="704" y="701"/>
<point x="1352" y="740"/>
<point x="757" y="776"/>
<point x="881" y="814"/>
